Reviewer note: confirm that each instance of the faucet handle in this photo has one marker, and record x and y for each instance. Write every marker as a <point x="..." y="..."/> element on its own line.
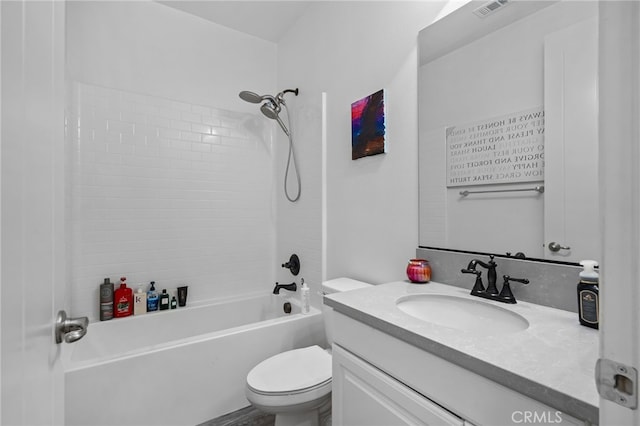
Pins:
<point x="505" y="294"/>
<point x="507" y="278"/>
<point x="293" y="264"/>
<point x="477" y="286"/>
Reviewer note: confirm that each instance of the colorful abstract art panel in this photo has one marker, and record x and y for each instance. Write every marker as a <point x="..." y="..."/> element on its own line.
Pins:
<point x="368" y="126"/>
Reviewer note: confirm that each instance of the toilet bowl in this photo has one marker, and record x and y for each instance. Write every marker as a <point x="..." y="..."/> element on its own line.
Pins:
<point x="293" y="385"/>
<point x="296" y="385"/>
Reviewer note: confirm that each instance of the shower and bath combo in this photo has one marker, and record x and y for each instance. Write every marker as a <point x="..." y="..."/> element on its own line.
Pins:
<point x="271" y="107"/>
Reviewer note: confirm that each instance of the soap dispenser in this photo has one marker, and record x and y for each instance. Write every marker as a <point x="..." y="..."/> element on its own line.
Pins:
<point x="588" y="298"/>
<point x="152" y="298"/>
<point x="123" y="300"/>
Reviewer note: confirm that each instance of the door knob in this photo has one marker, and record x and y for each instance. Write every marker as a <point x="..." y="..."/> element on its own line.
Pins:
<point x="70" y="329"/>
<point x="555" y="247"/>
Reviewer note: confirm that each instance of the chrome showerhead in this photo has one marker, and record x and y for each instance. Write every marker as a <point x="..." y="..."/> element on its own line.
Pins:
<point x="272" y="105"/>
<point x="272" y="110"/>
<point x="247" y="96"/>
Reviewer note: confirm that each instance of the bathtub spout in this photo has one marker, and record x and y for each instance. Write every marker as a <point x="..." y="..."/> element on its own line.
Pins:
<point x="290" y="287"/>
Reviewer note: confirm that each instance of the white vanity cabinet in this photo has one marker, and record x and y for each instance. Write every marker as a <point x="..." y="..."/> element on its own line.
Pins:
<point x="379" y="379"/>
<point x="364" y="395"/>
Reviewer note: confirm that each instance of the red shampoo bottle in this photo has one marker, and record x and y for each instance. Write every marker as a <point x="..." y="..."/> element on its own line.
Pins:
<point x="123" y="300"/>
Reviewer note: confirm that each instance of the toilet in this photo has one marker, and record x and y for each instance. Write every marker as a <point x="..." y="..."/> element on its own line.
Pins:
<point x="296" y="385"/>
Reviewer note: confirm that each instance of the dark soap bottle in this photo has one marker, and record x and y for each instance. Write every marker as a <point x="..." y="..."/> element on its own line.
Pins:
<point x="164" y="300"/>
<point x="588" y="297"/>
<point x="174" y="303"/>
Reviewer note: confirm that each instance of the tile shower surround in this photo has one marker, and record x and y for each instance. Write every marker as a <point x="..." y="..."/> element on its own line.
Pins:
<point x="167" y="191"/>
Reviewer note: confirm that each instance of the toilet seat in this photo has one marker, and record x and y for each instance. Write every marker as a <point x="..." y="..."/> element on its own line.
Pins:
<point x="296" y="371"/>
<point x="291" y="381"/>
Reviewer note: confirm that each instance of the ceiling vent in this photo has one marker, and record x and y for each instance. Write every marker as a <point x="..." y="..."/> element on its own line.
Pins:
<point x="490" y="7"/>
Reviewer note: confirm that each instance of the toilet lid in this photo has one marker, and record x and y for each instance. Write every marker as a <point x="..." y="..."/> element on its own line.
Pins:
<point x="291" y="371"/>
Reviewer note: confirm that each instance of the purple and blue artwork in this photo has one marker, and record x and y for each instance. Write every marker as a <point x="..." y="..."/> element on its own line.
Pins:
<point x="367" y="126"/>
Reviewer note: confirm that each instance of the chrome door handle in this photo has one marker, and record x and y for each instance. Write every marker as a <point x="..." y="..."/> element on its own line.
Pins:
<point x="70" y="329"/>
<point x="555" y="247"/>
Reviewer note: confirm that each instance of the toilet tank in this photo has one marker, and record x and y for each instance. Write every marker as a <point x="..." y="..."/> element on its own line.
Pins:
<point x="335" y="286"/>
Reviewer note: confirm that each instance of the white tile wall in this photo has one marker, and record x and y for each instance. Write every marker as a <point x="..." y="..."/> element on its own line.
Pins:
<point x="167" y="191"/>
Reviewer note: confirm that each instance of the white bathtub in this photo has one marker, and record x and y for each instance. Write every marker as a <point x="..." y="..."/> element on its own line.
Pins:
<point x="178" y="367"/>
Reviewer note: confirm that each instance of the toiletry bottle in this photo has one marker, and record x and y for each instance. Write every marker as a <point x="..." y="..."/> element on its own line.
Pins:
<point x="182" y="295"/>
<point x="152" y="298"/>
<point x="588" y="299"/>
<point x="106" y="300"/>
<point x="139" y="302"/>
<point x="123" y="300"/>
<point x="174" y="303"/>
<point x="305" y="297"/>
<point x="164" y="300"/>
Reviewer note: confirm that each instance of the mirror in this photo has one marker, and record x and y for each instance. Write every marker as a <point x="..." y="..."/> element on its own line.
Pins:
<point x="508" y="130"/>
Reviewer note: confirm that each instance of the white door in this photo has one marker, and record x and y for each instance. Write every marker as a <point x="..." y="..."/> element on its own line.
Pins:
<point x="619" y="123"/>
<point x="32" y="210"/>
<point x="571" y="212"/>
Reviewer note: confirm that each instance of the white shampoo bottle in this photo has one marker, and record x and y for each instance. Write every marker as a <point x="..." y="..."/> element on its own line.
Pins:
<point x="139" y="302"/>
<point x="305" y="298"/>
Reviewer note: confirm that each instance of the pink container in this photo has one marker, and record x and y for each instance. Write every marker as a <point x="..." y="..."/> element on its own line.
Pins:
<point x="419" y="271"/>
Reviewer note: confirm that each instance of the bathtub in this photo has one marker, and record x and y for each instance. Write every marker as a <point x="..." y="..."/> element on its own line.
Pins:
<point x="182" y="366"/>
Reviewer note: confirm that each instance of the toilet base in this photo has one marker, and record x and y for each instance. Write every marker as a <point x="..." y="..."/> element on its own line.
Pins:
<point x="320" y="416"/>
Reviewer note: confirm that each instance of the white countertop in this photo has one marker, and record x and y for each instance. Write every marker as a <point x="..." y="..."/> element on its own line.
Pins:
<point x="554" y="353"/>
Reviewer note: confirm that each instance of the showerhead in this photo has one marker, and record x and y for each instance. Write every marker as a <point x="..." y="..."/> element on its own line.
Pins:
<point x="247" y="96"/>
<point x="272" y="111"/>
<point x="271" y="108"/>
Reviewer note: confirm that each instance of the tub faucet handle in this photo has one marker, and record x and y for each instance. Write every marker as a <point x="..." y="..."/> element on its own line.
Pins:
<point x="293" y="264"/>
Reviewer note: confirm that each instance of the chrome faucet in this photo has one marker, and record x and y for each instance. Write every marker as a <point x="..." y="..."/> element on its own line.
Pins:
<point x="491" y="292"/>
<point x="291" y="287"/>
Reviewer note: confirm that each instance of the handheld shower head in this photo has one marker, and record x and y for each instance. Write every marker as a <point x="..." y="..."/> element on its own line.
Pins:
<point x="272" y="110"/>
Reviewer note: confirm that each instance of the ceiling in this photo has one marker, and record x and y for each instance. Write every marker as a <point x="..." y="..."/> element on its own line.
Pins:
<point x="268" y="20"/>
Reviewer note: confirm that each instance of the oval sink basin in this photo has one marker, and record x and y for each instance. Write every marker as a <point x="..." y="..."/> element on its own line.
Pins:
<point x="459" y="313"/>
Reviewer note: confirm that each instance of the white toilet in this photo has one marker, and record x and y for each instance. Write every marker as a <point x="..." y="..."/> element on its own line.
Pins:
<point x="296" y="385"/>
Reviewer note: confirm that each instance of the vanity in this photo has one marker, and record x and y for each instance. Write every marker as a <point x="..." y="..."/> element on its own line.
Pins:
<point x="508" y="163"/>
<point x="399" y="359"/>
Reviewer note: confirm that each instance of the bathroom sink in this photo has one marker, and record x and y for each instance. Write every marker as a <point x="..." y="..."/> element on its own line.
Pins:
<point x="475" y="316"/>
